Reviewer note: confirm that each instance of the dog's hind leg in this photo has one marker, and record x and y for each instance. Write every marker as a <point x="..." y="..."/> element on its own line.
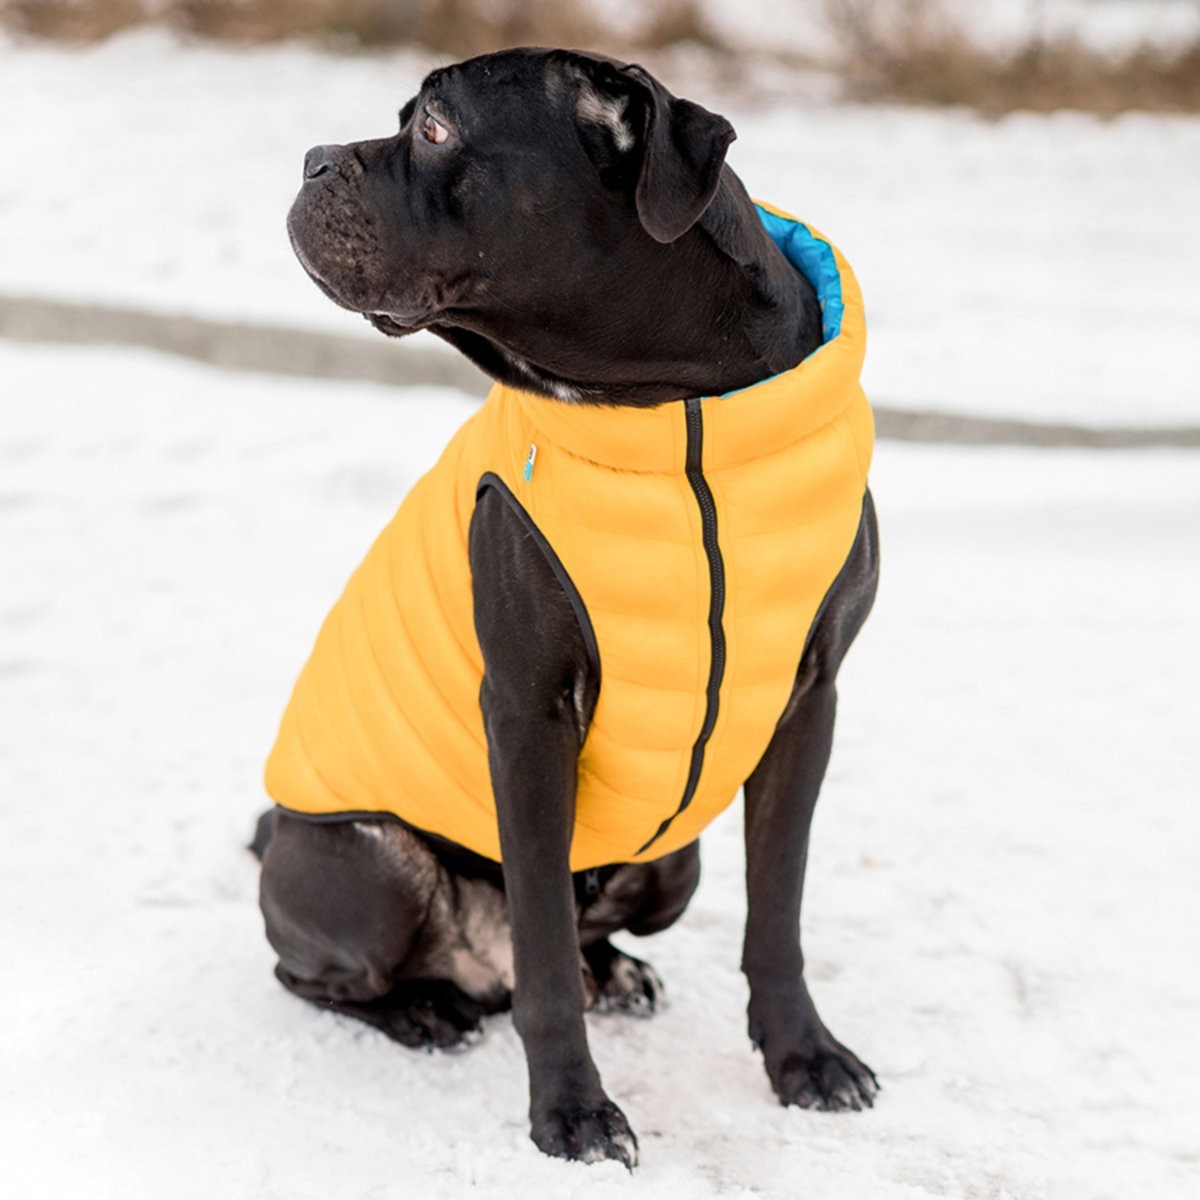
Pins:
<point x="347" y="907"/>
<point x="263" y="829"/>
<point x="807" y="1066"/>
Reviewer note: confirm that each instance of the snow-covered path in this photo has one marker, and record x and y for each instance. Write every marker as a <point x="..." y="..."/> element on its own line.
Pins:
<point x="1002" y="917"/>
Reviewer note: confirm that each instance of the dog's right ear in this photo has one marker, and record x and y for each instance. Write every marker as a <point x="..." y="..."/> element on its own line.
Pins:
<point x="669" y="151"/>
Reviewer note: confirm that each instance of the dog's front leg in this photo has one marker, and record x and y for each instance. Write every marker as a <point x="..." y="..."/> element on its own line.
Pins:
<point x="537" y="695"/>
<point x="807" y="1066"/>
<point x="532" y="755"/>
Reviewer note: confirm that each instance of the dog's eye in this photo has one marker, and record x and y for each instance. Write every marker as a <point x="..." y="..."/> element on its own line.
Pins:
<point x="433" y="131"/>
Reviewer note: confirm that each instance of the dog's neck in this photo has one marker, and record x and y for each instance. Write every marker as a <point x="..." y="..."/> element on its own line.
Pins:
<point x="715" y="311"/>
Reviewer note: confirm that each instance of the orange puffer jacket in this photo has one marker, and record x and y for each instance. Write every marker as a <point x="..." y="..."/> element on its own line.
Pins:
<point x="696" y="541"/>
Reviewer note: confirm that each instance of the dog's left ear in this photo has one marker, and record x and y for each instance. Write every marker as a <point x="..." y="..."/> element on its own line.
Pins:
<point x="684" y="151"/>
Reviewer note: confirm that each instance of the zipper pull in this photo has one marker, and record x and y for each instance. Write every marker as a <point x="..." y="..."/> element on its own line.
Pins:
<point x="530" y="461"/>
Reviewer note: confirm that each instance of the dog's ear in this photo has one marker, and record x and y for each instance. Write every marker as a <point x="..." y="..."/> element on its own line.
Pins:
<point x="683" y="153"/>
<point x="669" y="152"/>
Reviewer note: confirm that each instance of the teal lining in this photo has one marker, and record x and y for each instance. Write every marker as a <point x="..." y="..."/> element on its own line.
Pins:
<point x="815" y="260"/>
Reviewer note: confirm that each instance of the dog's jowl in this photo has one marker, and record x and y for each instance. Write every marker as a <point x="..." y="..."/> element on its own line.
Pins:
<point x="621" y="594"/>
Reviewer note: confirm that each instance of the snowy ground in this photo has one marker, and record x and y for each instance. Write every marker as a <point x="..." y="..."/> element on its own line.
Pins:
<point x="1036" y="268"/>
<point x="1002" y="915"/>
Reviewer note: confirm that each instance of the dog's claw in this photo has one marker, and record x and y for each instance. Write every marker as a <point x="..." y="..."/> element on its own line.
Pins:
<point x="587" y="1134"/>
<point x="616" y="982"/>
<point x="828" y="1078"/>
<point x="444" y="1023"/>
<point x="633" y="987"/>
<point x="423" y="1015"/>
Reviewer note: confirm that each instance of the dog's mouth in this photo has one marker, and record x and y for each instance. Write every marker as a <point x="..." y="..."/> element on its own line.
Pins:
<point x="395" y="325"/>
<point x="325" y="288"/>
<point x="349" y="272"/>
<point x="316" y="273"/>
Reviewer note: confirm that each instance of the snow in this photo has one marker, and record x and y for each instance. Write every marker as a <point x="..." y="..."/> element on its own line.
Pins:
<point x="1035" y="268"/>
<point x="1002" y="910"/>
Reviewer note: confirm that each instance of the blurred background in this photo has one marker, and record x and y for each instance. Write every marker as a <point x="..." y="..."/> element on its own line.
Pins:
<point x="1021" y="158"/>
<point x="196" y="448"/>
<point x="997" y="55"/>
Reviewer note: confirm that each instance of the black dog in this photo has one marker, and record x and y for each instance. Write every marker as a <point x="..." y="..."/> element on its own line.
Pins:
<point x="572" y="228"/>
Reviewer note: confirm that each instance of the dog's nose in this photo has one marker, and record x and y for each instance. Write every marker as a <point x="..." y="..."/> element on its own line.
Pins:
<point x="319" y="160"/>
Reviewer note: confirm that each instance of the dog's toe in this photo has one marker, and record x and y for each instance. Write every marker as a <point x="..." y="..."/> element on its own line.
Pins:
<point x="426" y="1015"/>
<point x="587" y="1134"/>
<point x="440" y="1030"/>
<point x="828" y="1079"/>
<point x="618" y="982"/>
<point x="634" y="988"/>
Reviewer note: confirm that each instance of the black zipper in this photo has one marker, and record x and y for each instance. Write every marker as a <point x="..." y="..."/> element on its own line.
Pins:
<point x="716" y="605"/>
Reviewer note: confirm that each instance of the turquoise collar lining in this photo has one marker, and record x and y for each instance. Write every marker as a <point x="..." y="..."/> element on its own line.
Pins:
<point x="814" y="259"/>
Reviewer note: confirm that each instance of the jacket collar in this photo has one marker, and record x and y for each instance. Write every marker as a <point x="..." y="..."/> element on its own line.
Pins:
<point x="761" y="419"/>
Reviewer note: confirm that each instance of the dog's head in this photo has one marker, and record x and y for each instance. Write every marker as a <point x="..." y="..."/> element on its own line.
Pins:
<point x="526" y="161"/>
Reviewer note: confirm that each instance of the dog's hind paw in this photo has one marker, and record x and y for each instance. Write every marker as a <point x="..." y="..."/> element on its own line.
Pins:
<point x="427" y="1014"/>
<point x="587" y="1135"/>
<point x="633" y="987"/>
<point x="618" y="982"/>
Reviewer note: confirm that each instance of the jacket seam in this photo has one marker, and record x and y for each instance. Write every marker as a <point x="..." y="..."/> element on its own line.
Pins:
<point x="812" y="628"/>
<point x="574" y="598"/>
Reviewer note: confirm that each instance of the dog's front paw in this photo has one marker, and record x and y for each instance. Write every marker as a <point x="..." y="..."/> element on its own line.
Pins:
<point x="824" y="1075"/>
<point x="586" y="1134"/>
